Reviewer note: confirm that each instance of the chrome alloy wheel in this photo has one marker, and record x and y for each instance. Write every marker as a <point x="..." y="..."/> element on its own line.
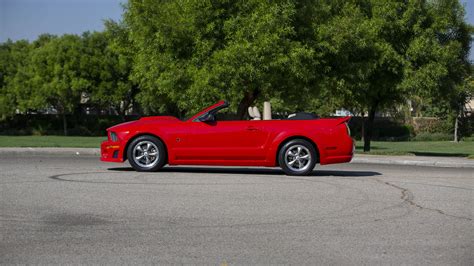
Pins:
<point x="298" y="158"/>
<point x="146" y="154"/>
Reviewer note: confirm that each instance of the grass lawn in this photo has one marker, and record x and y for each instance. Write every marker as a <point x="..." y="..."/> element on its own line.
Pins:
<point x="51" y="141"/>
<point x="421" y="148"/>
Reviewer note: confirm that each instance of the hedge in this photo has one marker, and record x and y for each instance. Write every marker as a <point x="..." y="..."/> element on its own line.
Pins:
<point x="95" y="125"/>
<point x="78" y="125"/>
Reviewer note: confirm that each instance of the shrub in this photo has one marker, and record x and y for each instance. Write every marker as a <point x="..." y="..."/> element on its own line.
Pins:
<point x="430" y="125"/>
<point x="384" y="129"/>
<point x="43" y="124"/>
<point x="471" y="138"/>
<point x="437" y="136"/>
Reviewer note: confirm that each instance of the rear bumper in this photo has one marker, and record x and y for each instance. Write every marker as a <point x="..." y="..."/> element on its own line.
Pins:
<point x="111" y="152"/>
<point x="338" y="159"/>
<point x="343" y="153"/>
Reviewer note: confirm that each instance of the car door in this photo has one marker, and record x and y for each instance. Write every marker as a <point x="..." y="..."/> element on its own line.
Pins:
<point x="221" y="141"/>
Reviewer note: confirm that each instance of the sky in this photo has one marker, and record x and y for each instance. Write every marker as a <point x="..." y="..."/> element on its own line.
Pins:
<point x="469" y="5"/>
<point x="26" y="19"/>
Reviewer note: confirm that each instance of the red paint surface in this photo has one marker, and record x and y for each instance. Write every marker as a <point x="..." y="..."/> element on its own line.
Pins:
<point x="244" y="143"/>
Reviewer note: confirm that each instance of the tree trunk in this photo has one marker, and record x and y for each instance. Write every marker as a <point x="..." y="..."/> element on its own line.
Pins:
<point x="456" y="127"/>
<point x="122" y="110"/>
<point x="244" y="104"/>
<point x="369" y="123"/>
<point x="64" y="123"/>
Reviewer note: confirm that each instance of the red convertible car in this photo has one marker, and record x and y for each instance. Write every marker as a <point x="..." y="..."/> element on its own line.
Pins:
<point x="295" y="144"/>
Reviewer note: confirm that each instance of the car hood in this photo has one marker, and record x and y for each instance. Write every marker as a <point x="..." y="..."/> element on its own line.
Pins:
<point x="159" y="118"/>
<point x="144" y="120"/>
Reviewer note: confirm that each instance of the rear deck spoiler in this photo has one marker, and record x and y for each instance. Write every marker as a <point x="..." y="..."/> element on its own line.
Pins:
<point x="343" y="120"/>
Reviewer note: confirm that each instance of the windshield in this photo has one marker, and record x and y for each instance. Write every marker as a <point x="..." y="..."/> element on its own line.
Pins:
<point x="213" y="109"/>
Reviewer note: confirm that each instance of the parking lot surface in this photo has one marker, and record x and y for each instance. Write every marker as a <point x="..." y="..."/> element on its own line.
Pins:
<point x="56" y="209"/>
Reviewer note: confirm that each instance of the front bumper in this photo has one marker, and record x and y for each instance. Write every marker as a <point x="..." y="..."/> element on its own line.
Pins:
<point x="111" y="152"/>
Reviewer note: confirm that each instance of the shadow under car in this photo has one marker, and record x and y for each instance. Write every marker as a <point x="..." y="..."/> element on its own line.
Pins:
<point x="250" y="171"/>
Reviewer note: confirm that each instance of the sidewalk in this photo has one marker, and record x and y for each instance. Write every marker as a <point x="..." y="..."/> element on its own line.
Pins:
<point x="456" y="162"/>
<point x="52" y="151"/>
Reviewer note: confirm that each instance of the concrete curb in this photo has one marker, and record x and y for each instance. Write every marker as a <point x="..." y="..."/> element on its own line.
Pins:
<point x="453" y="162"/>
<point x="52" y="151"/>
<point x="358" y="158"/>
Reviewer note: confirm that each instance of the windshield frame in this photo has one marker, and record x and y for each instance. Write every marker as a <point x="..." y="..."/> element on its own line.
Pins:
<point x="210" y="109"/>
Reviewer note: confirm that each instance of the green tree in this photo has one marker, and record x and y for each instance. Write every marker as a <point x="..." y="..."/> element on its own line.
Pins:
<point x="380" y="53"/>
<point x="107" y="69"/>
<point x="438" y="58"/>
<point x="121" y="47"/>
<point x="365" y="43"/>
<point x="13" y="58"/>
<point x="192" y="53"/>
<point x="56" y="77"/>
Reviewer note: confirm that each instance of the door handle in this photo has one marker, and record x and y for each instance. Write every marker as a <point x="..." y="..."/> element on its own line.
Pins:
<point x="251" y="128"/>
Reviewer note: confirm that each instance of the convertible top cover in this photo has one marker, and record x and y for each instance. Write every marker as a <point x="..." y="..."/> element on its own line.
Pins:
<point x="302" y="116"/>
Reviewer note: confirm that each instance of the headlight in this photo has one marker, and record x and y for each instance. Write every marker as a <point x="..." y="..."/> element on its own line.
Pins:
<point x="113" y="136"/>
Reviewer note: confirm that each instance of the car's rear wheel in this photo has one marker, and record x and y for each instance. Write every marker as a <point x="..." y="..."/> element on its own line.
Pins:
<point x="146" y="154"/>
<point x="297" y="157"/>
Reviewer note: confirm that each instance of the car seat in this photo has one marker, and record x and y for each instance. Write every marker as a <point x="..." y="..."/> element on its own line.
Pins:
<point x="254" y="113"/>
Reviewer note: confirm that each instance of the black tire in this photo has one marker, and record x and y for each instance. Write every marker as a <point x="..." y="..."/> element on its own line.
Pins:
<point x="155" y="147"/>
<point x="285" y="157"/>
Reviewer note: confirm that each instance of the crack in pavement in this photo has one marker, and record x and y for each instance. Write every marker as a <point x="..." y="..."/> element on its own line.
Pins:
<point x="408" y="197"/>
<point x="365" y="198"/>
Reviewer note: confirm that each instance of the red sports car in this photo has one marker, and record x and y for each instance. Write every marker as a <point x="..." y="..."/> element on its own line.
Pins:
<point x="295" y="144"/>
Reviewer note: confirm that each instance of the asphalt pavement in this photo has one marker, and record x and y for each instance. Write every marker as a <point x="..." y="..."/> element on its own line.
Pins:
<point x="66" y="209"/>
<point x="438" y="161"/>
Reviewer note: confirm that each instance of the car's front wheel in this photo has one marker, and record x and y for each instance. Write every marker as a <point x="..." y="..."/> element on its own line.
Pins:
<point x="146" y="154"/>
<point x="297" y="157"/>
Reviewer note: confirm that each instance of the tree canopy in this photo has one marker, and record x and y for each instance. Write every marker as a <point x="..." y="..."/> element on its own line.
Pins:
<point x="177" y="56"/>
<point x="195" y="52"/>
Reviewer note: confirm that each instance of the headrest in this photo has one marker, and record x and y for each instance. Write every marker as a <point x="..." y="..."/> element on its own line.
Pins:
<point x="251" y="114"/>
<point x="256" y="113"/>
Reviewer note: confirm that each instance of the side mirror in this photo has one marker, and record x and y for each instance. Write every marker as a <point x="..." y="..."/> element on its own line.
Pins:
<point x="208" y="117"/>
